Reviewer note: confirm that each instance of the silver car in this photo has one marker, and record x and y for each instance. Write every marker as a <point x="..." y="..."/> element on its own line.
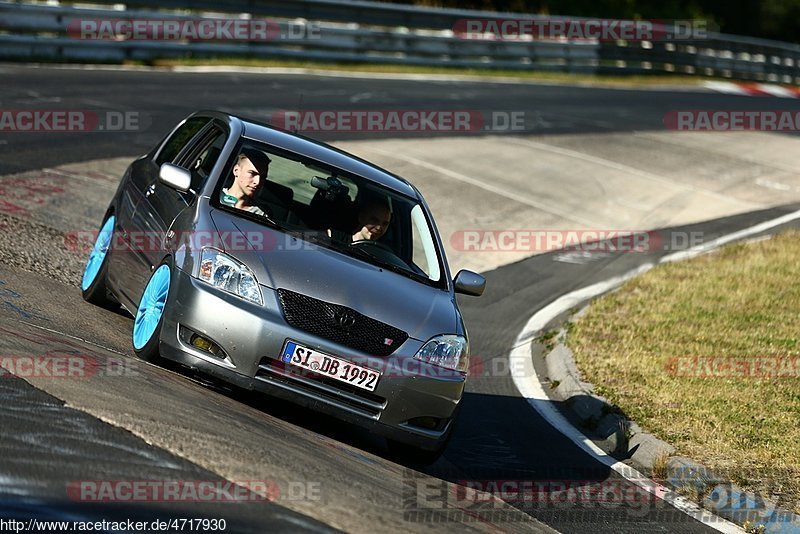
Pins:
<point x="281" y="264"/>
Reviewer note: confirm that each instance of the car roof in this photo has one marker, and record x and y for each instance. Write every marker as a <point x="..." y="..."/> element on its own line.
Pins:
<point x="326" y="154"/>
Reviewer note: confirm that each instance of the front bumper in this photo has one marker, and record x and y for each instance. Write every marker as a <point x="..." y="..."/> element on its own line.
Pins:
<point x="413" y="401"/>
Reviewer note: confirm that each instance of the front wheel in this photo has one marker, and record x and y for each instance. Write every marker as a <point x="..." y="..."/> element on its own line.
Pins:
<point x="93" y="283"/>
<point x="150" y="314"/>
<point x="410" y="455"/>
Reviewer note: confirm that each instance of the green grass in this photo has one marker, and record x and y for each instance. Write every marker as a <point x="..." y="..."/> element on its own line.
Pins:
<point x="741" y="302"/>
<point x="554" y="77"/>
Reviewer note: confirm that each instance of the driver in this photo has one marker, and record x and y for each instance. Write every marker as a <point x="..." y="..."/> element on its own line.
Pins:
<point x="249" y="175"/>
<point x="374" y="217"/>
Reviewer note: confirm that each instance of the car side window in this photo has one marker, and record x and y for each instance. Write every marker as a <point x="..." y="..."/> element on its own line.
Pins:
<point x="178" y="140"/>
<point x="200" y="160"/>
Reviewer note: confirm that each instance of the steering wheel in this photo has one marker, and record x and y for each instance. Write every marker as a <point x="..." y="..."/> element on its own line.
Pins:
<point x="381" y="251"/>
<point x="375" y="245"/>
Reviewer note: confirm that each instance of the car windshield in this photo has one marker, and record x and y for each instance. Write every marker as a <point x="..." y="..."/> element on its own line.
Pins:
<point x="331" y="208"/>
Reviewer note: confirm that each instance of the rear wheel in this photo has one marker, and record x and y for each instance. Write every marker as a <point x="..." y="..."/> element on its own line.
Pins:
<point x="93" y="283"/>
<point x="150" y="314"/>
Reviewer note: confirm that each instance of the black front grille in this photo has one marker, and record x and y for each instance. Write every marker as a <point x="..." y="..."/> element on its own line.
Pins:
<point x="340" y="324"/>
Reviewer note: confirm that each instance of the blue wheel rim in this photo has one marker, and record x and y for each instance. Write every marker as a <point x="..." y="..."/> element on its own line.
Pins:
<point x="151" y="307"/>
<point x="98" y="254"/>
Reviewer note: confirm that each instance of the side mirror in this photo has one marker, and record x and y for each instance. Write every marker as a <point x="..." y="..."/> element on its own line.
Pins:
<point x="175" y="177"/>
<point x="469" y="283"/>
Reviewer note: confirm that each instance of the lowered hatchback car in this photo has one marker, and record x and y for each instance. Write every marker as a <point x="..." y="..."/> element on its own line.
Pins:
<point x="284" y="265"/>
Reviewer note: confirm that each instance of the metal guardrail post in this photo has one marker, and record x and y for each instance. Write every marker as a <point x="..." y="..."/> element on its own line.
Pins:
<point x="40" y="32"/>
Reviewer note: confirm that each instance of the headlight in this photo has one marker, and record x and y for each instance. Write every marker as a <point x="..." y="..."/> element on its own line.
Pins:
<point x="448" y="351"/>
<point x="228" y="274"/>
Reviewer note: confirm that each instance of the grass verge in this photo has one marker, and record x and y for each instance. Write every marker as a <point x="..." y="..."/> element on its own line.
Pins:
<point x="705" y="355"/>
<point x="553" y="77"/>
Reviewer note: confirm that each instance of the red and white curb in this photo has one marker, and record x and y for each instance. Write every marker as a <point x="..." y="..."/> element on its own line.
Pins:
<point x="753" y="89"/>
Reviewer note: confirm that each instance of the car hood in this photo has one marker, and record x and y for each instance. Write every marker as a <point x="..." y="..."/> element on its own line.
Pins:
<point x="280" y="261"/>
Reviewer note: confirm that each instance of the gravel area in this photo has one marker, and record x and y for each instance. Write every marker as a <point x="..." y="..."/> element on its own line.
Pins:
<point x="42" y="211"/>
<point x="37" y="248"/>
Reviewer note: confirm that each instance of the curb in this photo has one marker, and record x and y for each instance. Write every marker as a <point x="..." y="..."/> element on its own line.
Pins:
<point x="753" y="89"/>
<point x="619" y="437"/>
<point x="601" y="422"/>
<point x="598" y="418"/>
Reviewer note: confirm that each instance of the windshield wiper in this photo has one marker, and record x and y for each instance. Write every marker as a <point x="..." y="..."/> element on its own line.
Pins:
<point x="270" y="220"/>
<point x="380" y="262"/>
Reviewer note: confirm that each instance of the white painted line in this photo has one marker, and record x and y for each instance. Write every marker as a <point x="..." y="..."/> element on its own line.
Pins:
<point x="741" y="234"/>
<point x="727" y="87"/>
<point x="526" y="381"/>
<point x="521" y="362"/>
<point x="73" y="337"/>
<point x="769" y="184"/>
<point x="580" y="257"/>
<point x="690" y="143"/>
<point x="540" y="319"/>
<point x="626" y="169"/>
<point x="138" y="361"/>
<point x="513" y="195"/>
<point x="776" y="90"/>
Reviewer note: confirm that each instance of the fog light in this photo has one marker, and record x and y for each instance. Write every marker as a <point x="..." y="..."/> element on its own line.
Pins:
<point x="206" y="345"/>
<point x="201" y="343"/>
<point x="431" y="423"/>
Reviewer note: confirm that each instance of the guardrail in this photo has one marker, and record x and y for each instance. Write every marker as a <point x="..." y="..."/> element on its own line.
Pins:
<point x="41" y="32"/>
<point x="721" y="55"/>
<point x="363" y="13"/>
<point x="371" y="32"/>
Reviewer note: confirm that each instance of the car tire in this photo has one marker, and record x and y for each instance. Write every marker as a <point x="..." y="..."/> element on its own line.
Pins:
<point x="147" y="323"/>
<point x="93" y="283"/>
<point x="405" y="454"/>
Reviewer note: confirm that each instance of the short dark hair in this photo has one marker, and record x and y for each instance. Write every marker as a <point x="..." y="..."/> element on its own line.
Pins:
<point x="369" y="199"/>
<point x="259" y="160"/>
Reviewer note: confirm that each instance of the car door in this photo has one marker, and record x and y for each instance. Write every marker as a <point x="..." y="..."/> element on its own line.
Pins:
<point x="136" y="232"/>
<point x="161" y="205"/>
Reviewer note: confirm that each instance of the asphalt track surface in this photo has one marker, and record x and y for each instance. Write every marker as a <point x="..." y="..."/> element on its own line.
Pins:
<point x="46" y="443"/>
<point x="162" y="99"/>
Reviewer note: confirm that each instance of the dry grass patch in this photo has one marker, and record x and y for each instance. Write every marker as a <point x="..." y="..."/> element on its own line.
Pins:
<point x="648" y="346"/>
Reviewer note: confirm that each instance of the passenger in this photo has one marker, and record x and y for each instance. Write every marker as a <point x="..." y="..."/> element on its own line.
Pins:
<point x="249" y="176"/>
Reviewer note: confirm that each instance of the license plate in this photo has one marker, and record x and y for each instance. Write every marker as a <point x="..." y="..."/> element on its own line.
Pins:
<point x="330" y="366"/>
